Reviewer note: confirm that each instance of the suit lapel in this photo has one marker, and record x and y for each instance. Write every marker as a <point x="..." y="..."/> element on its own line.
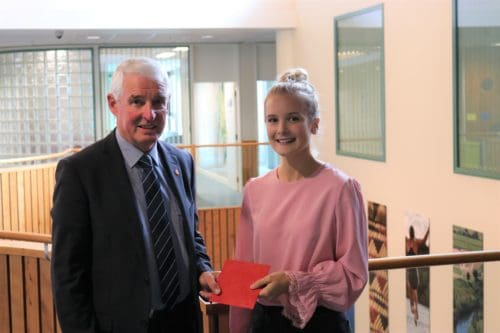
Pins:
<point x="122" y="197"/>
<point x="173" y="172"/>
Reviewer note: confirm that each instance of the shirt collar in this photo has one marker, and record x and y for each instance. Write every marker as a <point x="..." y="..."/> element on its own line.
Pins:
<point x="132" y="154"/>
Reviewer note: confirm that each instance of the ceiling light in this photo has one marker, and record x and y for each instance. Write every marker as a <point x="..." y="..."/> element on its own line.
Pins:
<point x="181" y="49"/>
<point x="165" y="55"/>
<point x="207" y="37"/>
<point x="93" y="37"/>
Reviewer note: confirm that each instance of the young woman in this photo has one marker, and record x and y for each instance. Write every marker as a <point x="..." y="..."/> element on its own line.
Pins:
<point x="307" y="220"/>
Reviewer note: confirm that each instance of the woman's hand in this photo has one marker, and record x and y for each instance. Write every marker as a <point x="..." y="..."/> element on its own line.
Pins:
<point x="273" y="285"/>
<point x="208" y="284"/>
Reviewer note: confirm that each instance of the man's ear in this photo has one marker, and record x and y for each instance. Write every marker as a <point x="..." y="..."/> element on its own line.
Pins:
<point x="112" y="104"/>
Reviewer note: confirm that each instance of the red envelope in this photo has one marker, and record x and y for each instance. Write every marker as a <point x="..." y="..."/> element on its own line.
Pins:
<point x="235" y="280"/>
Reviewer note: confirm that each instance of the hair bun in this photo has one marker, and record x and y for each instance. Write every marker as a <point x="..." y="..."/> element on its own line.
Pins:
<point x="294" y="74"/>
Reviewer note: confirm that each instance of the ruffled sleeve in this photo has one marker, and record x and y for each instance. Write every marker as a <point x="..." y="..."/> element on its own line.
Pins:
<point x="336" y="283"/>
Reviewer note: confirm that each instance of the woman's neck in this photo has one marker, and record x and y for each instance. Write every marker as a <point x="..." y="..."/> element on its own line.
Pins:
<point x="291" y="170"/>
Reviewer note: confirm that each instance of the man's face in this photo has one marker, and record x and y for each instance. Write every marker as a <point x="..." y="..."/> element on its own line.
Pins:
<point x="140" y="111"/>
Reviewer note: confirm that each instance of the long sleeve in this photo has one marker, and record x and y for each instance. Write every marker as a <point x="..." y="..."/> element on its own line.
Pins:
<point x="315" y="230"/>
<point x="334" y="283"/>
<point x="71" y="262"/>
<point x="239" y="318"/>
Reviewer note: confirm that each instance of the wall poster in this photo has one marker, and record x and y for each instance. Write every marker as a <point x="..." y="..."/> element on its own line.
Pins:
<point x="467" y="284"/>
<point x="377" y="248"/>
<point x="417" y="278"/>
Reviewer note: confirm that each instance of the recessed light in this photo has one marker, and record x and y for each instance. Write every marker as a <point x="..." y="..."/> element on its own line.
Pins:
<point x="165" y="55"/>
<point x="93" y="37"/>
<point x="207" y="37"/>
<point x="181" y="48"/>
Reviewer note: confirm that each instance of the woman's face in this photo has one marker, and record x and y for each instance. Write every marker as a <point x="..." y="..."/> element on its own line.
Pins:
<point x="288" y="126"/>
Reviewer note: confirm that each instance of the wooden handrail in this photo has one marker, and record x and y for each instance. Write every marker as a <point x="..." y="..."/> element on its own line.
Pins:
<point x="220" y="145"/>
<point x="373" y="264"/>
<point x="39" y="157"/>
<point x="433" y="260"/>
<point x="26" y="236"/>
<point x="75" y="149"/>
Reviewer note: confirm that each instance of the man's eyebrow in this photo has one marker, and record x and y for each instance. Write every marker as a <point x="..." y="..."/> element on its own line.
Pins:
<point x="132" y="97"/>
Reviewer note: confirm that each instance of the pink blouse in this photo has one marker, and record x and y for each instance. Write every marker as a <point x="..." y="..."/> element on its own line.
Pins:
<point x="315" y="230"/>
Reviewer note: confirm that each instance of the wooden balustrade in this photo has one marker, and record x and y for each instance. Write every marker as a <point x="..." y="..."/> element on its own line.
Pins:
<point x="25" y="290"/>
<point x="26" y="198"/>
<point x="218" y="227"/>
<point x="26" y="191"/>
<point x="25" y="227"/>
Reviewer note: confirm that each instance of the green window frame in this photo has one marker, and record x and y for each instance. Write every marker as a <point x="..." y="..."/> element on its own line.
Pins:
<point x="476" y="58"/>
<point x="360" y="84"/>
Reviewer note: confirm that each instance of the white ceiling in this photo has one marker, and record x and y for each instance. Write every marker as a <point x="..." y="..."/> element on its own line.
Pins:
<point x="27" y="38"/>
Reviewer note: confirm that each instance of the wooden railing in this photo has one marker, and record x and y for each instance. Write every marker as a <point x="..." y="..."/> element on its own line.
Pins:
<point x="25" y="227"/>
<point x="26" y="198"/>
<point x="218" y="227"/>
<point x="26" y="297"/>
<point x="25" y="290"/>
<point x="26" y="190"/>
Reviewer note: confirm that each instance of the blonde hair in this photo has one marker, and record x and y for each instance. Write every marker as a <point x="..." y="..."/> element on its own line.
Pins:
<point x="294" y="82"/>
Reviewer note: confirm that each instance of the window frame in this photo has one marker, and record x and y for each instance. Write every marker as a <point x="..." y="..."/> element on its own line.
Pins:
<point x="339" y="151"/>
<point x="458" y="168"/>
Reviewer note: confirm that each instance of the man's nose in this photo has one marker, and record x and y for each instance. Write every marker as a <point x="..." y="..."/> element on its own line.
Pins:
<point x="148" y="112"/>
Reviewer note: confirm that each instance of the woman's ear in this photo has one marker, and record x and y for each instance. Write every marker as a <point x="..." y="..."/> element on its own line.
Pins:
<point x="315" y="126"/>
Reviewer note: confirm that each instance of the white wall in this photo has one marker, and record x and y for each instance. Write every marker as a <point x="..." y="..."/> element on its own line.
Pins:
<point x="418" y="173"/>
<point x="148" y="14"/>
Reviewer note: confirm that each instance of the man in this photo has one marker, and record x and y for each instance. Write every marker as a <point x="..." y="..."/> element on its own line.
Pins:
<point x="126" y="255"/>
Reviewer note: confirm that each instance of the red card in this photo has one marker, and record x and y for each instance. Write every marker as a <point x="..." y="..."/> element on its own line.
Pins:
<point x="235" y="280"/>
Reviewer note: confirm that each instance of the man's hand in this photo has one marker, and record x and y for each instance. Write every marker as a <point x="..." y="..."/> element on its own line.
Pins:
<point x="208" y="284"/>
<point x="274" y="285"/>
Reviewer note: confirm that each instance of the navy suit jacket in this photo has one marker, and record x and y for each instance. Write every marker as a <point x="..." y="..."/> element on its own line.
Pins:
<point x="99" y="272"/>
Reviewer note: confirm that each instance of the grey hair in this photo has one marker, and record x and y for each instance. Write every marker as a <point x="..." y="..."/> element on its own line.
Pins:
<point x="147" y="67"/>
<point x="294" y="82"/>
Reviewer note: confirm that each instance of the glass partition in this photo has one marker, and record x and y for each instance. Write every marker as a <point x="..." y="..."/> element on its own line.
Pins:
<point x="359" y="72"/>
<point x="268" y="159"/>
<point x="46" y="101"/>
<point x="477" y="87"/>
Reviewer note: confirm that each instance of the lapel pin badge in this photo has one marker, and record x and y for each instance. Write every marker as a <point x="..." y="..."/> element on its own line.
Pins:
<point x="176" y="172"/>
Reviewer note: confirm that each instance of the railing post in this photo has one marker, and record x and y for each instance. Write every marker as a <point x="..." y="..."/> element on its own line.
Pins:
<point x="250" y="160"/>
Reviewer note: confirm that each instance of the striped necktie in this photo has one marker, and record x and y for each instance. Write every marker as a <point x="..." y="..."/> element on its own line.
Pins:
<point x="161" y="234"/>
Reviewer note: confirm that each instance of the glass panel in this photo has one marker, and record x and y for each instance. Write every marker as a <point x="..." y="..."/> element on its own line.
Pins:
<point x="213" y="187"/>
<point x="268" y="159"/>
<point x="477" y="130"/>
<point x="215" y="114"/>
<point x="175" y="61"/>
<point x="42" y="98"/>
<point x="359" y="63"/>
